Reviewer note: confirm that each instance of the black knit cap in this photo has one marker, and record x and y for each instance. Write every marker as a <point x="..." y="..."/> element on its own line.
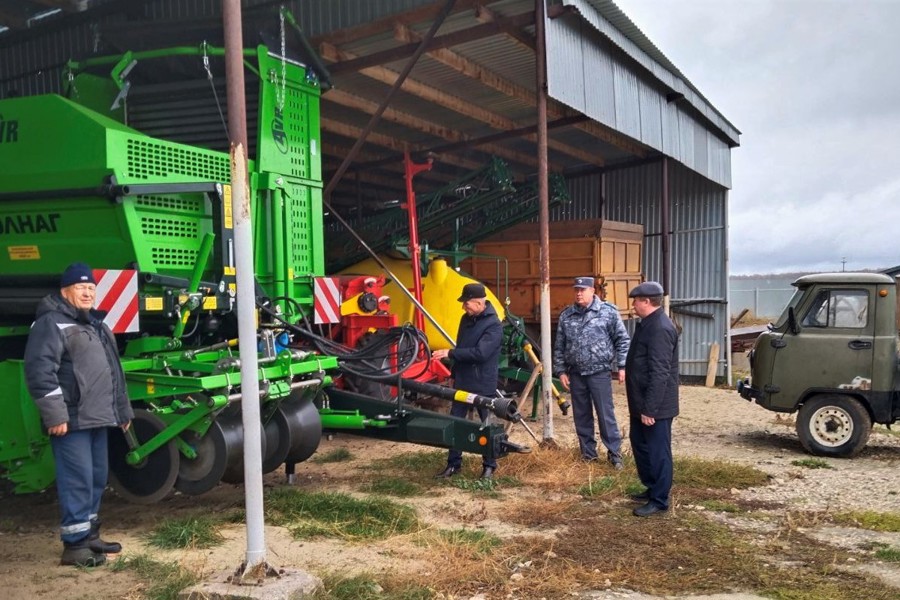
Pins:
<point x="76" y="273"/>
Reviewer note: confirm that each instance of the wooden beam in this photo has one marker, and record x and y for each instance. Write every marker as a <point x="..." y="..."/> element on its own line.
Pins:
<point x="473" y="70"/>
<point x="384" y="25"/>
<point x="454" y="103"/>
<point x="352" y="132"/>
<point x="446" y="133"/>
<point x="713" y="365"/>
<point x="444" y="41"/>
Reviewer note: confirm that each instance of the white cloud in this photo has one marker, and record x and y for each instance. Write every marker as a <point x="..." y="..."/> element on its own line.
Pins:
<point x="813" y="87"/>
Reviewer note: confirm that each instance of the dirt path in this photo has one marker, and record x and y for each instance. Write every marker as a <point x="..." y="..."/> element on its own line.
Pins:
<point x="714" y="424"/>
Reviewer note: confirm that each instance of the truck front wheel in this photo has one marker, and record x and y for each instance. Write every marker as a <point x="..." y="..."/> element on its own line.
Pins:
<point x="833" y="425"/>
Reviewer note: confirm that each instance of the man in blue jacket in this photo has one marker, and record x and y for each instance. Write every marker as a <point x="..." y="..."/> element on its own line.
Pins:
<point x="476" y="359"/>
<point x="652" y="389"/>
<point x="74" y="375"/>
<point x="591" y="344"/>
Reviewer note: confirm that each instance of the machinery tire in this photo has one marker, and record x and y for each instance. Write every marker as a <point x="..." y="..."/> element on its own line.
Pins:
<point x="152" y="479"/>
<point x="833" y="425"/>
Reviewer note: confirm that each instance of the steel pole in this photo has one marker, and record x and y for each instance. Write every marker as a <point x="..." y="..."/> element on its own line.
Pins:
<point x="544" y="218"/>
<point x="246" y="301"/>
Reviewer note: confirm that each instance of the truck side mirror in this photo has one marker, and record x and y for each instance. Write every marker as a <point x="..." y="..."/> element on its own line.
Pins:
<point x="792" y="321"/>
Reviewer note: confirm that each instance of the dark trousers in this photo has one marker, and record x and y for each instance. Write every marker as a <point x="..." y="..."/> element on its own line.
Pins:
<point x="652" y="448"/>
<point x="82" y="468"/>
<point x="590" y="393"/>
<point x="454" y="456"/>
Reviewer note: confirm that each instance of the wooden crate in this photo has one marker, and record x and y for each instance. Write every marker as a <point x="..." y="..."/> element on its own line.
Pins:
<point x="609" y="251"/>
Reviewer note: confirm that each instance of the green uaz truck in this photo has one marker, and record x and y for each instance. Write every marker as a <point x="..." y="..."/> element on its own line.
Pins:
<point x="832" y="356"/>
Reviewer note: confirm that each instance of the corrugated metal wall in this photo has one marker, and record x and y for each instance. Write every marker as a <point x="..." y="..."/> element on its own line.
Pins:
<point x="36" y="65"/>
<point x="585" y="71"/>
<point x="698" y="244"/>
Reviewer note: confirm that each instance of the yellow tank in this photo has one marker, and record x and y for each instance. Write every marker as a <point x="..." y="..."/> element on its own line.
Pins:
<point x="441" y="287"/>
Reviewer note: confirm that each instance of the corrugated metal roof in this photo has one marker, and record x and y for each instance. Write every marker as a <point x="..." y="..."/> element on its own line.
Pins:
<point x="480" y="85"/>
<point x="652" y="58"/>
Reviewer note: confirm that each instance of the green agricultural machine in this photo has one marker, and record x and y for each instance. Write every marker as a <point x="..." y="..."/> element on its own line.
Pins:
<point x="155" y="218"/>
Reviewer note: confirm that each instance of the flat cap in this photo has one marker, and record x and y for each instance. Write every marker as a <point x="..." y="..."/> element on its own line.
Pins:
<point x="472" y="291"/>
<point x="646" y="289"/>
<point x="584" y="282"/>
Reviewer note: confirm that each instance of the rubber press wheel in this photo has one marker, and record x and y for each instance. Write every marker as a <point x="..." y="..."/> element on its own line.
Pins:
<point x="153" y="478"/>
<point x="201" y="474"/>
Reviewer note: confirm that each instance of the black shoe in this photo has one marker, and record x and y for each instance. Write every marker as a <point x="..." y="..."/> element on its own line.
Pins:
<point x="642" y="497"/>
<point x="79" y="554"/>
<point x="648" y="509"/>
<point x="101" y="546"/>
<point x="448" y="472"/>
<point x="487" y="473"/>
<point x="104" y="547"/>
<point x="589" y="459"/>
<point x="617" y="463"/>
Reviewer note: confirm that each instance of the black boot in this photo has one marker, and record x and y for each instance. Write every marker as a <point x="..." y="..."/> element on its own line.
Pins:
<point x="80" y="554"/>
<point x="101" y="546"/>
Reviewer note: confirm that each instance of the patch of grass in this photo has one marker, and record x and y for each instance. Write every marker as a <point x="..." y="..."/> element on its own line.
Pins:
<point x="480" y="541"/>
<point x="870" y="519"/>
<point x="394" y="486"/>
<point x="484" y="486"/>
<point x="879" y="428"/>
<point x="720" y="506"/>
<point x="188" y="532"/>
<point x="424" y="464"/>
<point x="333" y="456"/>
<point x="717" y="474"/>
<point x="598" y="487"/>
<point x="366" y="587"/>
<point x="812" y="463"/>
<point x="312" y="514"/>
<point x="163" y="580"/>
<point x="886" y="553"/>
<point x="680" y="553"/>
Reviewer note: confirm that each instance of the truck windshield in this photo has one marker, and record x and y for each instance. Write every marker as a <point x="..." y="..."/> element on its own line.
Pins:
<point x="792" y="303"/>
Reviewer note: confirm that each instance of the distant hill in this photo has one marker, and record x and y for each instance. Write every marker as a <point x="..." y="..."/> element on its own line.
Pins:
<point x="794" y="275"/>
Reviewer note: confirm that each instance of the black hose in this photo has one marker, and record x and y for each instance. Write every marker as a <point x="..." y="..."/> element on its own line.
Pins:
<point x="377" y="357"/>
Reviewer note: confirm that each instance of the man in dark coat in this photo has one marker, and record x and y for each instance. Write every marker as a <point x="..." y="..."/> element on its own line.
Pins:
<point x="651" y="384"/>
<point x="74" y="375"/>
<point x="476" y="359"/>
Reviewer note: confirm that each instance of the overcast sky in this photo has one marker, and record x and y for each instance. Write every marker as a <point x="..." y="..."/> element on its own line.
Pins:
<point x="814" y="88"/>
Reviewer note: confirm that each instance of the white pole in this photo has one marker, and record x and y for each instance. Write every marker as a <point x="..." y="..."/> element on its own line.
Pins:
<point x="246" y="315"/>
<point x="246" y="288"/>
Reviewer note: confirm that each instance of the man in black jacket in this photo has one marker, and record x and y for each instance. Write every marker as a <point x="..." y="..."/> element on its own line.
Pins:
<point x="651" y="384"/>
<point x="476" y="360"/>
<point x="74" y="375"/>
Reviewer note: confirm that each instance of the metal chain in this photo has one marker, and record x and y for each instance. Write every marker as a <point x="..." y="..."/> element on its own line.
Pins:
<point x="212" y="85"/>
<point x="280" y="91"/>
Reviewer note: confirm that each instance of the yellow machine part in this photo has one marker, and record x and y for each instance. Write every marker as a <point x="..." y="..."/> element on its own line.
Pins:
<point x="441" y="288"/>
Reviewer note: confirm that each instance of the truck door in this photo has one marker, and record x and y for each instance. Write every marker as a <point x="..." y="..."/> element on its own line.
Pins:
<point x="833" y="349"/>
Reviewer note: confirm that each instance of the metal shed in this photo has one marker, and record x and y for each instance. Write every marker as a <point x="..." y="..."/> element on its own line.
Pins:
<point x="634" y="139"/>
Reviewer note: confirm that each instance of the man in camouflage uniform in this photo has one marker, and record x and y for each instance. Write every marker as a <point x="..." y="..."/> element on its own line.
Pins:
<point x="591" y="344"/>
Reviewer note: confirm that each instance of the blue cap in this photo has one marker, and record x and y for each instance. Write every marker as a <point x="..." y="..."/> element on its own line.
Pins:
<point x="584" y="282"/>
<point x="76" y="273"/>
<point x="646" y="290"/>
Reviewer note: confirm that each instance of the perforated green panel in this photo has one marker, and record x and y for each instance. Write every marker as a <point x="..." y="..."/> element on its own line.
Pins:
<point x="148" y="159"/>
<point x="301" y="240"/>
<point x="171" y="228"/>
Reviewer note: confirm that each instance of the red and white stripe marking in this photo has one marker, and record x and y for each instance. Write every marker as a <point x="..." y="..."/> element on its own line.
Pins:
<point x="117" y="294"/>
<point x="326" y="300"/>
